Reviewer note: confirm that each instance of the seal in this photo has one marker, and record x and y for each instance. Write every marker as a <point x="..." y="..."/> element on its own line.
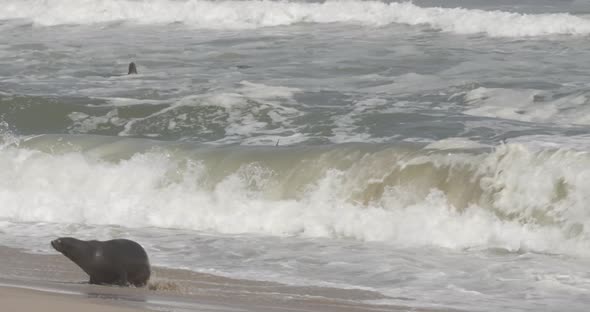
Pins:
<point x="132" y="69"/>
<point x="116" y="262"/>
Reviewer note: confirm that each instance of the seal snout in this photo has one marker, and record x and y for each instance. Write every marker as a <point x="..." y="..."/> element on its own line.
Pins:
<point x="56" y="244"/>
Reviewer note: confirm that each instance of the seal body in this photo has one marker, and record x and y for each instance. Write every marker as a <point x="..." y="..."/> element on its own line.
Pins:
<point x="117" y="262"/>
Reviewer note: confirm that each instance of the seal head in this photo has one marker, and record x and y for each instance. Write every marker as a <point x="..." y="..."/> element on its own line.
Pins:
<point x="132" y="69"/>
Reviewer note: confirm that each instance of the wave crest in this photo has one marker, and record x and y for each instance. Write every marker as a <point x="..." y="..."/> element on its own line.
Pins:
<point x="263" y="13"/>
<point x="514" y="197"/>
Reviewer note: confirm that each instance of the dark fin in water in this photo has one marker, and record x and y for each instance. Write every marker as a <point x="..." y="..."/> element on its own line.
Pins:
<point x="132" y="69"/>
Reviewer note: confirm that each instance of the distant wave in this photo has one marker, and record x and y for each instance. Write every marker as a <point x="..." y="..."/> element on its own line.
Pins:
<point x="263" y="13"/>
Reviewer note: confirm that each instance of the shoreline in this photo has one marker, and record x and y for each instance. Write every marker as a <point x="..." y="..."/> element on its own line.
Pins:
<point x="52" y="281"/>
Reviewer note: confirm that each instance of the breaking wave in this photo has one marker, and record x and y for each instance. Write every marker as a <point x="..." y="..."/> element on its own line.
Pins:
<point x="264" y="13"/>
<point x="516" y="196"/>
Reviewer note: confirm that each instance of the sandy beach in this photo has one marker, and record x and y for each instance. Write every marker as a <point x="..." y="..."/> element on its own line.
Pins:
<point x="21" y="299"/>
<point x="31" y="282"/>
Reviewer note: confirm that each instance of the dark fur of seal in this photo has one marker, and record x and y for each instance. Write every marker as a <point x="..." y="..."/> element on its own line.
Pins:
<point x="132" y="69"/>
<point x="117" y="262"/>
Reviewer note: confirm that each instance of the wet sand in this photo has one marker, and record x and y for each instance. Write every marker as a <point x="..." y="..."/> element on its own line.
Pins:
<point x="21" y="299"/>
<point x="30" y="282"/>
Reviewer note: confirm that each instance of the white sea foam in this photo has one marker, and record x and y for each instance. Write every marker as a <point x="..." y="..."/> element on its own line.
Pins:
<point x="502" y="202"/>
<point x="412" y="82"/>
<point x="540" y="142"/>
<point x="528" y="105"/>
<point x="347" y="126"/>
<point x="246" y="109"/>
<point x="262" y="13"/>
<point x="456" y="143"/>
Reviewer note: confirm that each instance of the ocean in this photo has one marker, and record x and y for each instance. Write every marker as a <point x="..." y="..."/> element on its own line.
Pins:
<point x="436" y="153"/>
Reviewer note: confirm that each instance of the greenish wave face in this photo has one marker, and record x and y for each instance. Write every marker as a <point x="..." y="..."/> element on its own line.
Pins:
<point x="317" y="191"/>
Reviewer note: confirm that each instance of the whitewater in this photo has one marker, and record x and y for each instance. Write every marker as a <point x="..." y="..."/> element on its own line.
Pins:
<point x="435" y="153"/>
<point x="263" y="13"/>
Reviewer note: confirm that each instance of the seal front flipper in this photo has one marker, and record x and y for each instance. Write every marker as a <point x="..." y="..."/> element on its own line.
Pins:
<point x="122" y="281"/>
